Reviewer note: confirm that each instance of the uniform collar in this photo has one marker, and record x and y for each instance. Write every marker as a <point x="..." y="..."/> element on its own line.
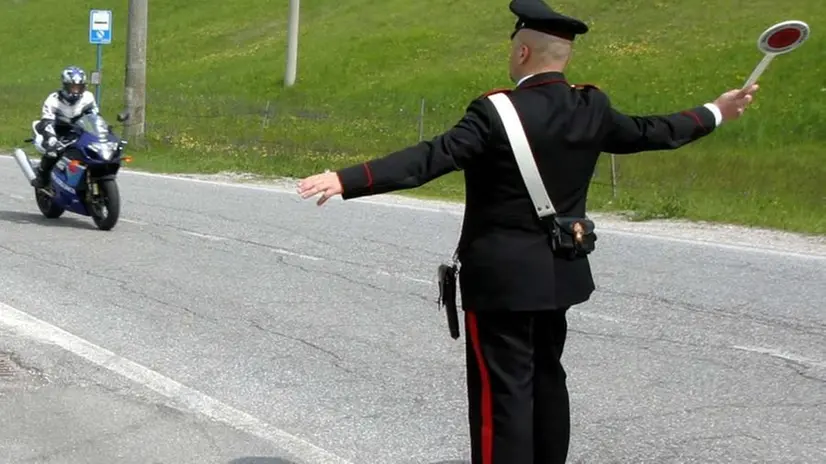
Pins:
<point x="541" y="78"/>
<point x="524" y="79"/>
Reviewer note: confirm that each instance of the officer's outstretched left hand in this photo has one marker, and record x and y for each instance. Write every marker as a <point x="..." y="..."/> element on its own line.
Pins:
<point x="328" y="184"/>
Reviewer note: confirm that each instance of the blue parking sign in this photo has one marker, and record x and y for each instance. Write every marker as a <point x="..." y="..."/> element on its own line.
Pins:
<point x="100" y="27"/>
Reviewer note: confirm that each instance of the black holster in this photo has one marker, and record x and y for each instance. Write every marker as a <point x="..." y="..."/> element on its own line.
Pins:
<point x="570" y="237"/>
<point x="447" y="297"/>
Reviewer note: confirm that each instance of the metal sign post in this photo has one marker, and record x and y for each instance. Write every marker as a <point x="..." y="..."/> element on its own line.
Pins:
<point x="100" y="34"/>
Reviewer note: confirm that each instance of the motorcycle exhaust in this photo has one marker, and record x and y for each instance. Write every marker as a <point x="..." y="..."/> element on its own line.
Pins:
<point x="25" y="164"/>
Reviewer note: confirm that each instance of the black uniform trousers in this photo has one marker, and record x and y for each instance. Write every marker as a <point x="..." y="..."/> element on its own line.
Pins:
<point x="518" y="400"/>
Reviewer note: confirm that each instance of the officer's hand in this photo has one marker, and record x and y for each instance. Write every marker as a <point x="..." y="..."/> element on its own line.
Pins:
<point x="328" y="184"/>
<point x="733" y="103"/>
<point x="51" y="142"/>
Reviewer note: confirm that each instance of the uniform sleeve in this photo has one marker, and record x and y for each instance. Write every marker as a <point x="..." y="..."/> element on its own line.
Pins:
<point x="418" y="164"/>
<point x="633" y="134"/>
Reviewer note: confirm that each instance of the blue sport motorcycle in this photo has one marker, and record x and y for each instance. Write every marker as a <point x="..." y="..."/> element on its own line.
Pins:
<point x="84" y="178"/>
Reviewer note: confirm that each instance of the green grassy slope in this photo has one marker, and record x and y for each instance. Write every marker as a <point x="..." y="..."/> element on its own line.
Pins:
<point x="215" y="99"/>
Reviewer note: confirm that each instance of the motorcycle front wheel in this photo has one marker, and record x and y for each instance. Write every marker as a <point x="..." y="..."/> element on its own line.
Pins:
<point x="106" y="210"/>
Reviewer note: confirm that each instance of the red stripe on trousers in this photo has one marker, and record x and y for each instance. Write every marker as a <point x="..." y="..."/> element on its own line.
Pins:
<point x="487" y="412"/>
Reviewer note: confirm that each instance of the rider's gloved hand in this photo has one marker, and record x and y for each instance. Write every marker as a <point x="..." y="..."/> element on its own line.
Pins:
<point x="51" y="143"/>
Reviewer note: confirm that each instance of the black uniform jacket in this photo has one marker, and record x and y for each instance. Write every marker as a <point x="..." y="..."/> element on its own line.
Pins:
<point x="505" y="256"/>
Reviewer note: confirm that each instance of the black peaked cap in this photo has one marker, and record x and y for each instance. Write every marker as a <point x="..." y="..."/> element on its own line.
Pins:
<point x="537" y="15"/>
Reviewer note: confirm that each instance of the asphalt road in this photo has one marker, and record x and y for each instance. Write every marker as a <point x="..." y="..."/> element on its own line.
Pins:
<point x="239" y="325"/>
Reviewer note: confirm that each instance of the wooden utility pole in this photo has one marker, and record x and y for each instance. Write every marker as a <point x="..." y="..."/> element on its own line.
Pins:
<point x="135" y="86"/>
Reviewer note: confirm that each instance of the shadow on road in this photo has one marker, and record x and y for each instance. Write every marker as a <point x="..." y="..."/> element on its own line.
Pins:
<point x="20" y="217"/>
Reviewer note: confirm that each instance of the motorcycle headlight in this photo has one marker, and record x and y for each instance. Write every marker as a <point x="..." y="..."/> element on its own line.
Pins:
<point x="104" y="149"/>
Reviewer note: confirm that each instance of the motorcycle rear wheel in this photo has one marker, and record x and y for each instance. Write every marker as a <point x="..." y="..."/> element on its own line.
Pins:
<point x="47" y="207"/>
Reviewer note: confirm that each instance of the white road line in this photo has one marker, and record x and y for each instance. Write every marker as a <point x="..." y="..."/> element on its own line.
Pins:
<point x="726" y="246"/>
<point x="404" y="277"/>
<point x="782" y="355"/>
<point x="216" y="238"/>
<point x="591" y="315"/>
<point x="264" y="188"/>
<point x="282" y="251"/>
<point x="205" y="236"/>
<point x="32" y="328"/>
<point x="132" y="221"/>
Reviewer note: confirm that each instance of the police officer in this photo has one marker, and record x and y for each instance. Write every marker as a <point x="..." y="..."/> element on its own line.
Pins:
<point x="515" y="290"/>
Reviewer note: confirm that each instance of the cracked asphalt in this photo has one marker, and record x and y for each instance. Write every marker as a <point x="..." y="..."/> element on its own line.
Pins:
<point x="322" y="322"/>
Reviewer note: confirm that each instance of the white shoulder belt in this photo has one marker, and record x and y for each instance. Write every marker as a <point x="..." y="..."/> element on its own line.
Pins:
<point x="522" y="153"/>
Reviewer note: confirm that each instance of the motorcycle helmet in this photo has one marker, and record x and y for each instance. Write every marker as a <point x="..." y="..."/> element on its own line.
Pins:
<point x="74" y="84"/>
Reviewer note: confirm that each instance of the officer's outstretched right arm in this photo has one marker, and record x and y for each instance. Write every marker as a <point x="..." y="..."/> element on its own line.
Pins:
<point x="416" y="165"/>
<point x="625" y="134"/>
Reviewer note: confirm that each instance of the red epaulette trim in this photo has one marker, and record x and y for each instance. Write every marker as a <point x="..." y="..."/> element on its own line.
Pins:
<point x="495" y="91"/>
<point x="584" y="86"/>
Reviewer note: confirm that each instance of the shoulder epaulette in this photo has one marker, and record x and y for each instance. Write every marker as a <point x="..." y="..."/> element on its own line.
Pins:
<point x="584" y="86"/>
<point x="495" y="91"/>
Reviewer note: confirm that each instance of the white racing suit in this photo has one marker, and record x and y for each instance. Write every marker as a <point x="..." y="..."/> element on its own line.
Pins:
<point x="55" y="121"/>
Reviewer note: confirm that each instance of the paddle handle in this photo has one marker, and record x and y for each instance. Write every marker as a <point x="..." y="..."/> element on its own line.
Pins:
<point x="759" y="69"/>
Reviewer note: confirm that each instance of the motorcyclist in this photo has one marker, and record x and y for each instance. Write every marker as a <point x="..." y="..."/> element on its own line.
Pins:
<point x="60" y="109"/>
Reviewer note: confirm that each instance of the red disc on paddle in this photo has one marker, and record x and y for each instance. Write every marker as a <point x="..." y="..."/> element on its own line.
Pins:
<point x="783" y="37"/>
